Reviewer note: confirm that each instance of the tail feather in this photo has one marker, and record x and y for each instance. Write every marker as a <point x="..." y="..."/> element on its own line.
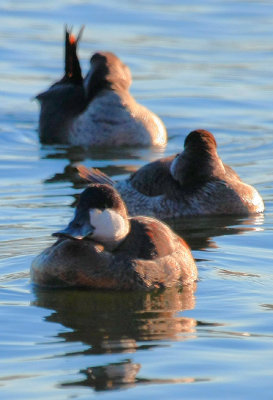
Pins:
<point x="73" y="71"/>
<point x="80" y="34"/>
<point x="94" y="175"/>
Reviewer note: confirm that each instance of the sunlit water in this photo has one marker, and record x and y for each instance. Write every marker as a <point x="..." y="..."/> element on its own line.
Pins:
<point x="198" y="65"/>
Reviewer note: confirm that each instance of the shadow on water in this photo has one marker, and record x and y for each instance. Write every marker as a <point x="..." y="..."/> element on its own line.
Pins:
<point x="120" y="322"/>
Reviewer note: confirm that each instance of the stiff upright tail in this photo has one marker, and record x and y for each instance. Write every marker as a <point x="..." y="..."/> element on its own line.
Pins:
<point x="73" y="72"/>
<point x="94" y="175"/>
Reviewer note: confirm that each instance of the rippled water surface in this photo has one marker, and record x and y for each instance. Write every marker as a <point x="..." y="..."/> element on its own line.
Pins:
<point x="198" y="65"/>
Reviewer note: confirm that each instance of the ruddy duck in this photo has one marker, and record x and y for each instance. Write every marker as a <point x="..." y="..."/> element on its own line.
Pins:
<point x="103" y="248"/>
<point x="194" y="182"/>
<point x="97" y="110"/>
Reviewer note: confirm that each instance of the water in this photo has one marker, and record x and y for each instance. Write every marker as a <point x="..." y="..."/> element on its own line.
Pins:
<point x="198" y="65"/>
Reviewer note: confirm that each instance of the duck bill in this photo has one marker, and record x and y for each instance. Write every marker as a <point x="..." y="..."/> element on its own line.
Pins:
<point x="78" y="229"/>
<point x="76" y="233"/>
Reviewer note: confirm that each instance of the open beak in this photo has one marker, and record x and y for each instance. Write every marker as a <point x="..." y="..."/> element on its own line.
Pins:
<point x="79" y="228"/>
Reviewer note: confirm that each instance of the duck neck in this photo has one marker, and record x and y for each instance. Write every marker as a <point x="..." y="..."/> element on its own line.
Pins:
<point x="196" y="167"/>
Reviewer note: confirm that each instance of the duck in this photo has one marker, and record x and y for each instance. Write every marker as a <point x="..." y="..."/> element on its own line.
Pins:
<point x="194" y="182"/>
<point x="103" y="248"/>
<point x="97" y="110"/>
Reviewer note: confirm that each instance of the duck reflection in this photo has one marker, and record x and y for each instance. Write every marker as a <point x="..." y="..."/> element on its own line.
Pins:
<point x="112" y="322"/>
<point x="78" y="154"/>
<point x="200" y="231"/>
<point x="110" y="377"/>
<point x="119" y="322"/>
<point x="121" y="375"/>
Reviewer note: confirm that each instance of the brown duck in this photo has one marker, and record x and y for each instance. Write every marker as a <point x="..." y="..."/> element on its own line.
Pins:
<point x="193" y="182"/>
<point x="96" y="110"/>
<point x="103" y="248"/>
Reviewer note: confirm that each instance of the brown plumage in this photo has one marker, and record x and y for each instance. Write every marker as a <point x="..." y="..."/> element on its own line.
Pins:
<point x="193" y="182"/>
<point x="98" y="109"/>
<point x="149" y="254"/>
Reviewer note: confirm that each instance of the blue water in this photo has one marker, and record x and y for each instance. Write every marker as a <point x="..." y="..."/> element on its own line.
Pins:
<point x="198" y="65"/>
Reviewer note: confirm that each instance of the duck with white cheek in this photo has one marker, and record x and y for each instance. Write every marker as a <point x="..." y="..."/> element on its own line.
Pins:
<point x="103" y="248"/>
<point x="193" y="182"/>
<point x="97" y="110"/>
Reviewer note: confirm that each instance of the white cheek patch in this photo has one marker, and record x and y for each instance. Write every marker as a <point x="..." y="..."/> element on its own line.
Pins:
<point x="109" y="225"/>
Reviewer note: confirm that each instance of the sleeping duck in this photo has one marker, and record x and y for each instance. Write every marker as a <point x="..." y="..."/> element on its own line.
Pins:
<point x="105" y="249"/>
<point x="98" y="109"/>
<point x="193" y="182"/>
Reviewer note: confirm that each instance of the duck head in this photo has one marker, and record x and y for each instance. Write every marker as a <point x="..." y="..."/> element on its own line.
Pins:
<point x="107" y="72"/>
<point x="65" y="99"/>
<point x="199" y="162"/>
<point x="101" y="216"/>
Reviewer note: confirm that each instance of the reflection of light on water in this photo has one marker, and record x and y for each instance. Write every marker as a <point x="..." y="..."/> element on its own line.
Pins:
<point x="258" y="220"/>
<point x="258" y="229"/>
